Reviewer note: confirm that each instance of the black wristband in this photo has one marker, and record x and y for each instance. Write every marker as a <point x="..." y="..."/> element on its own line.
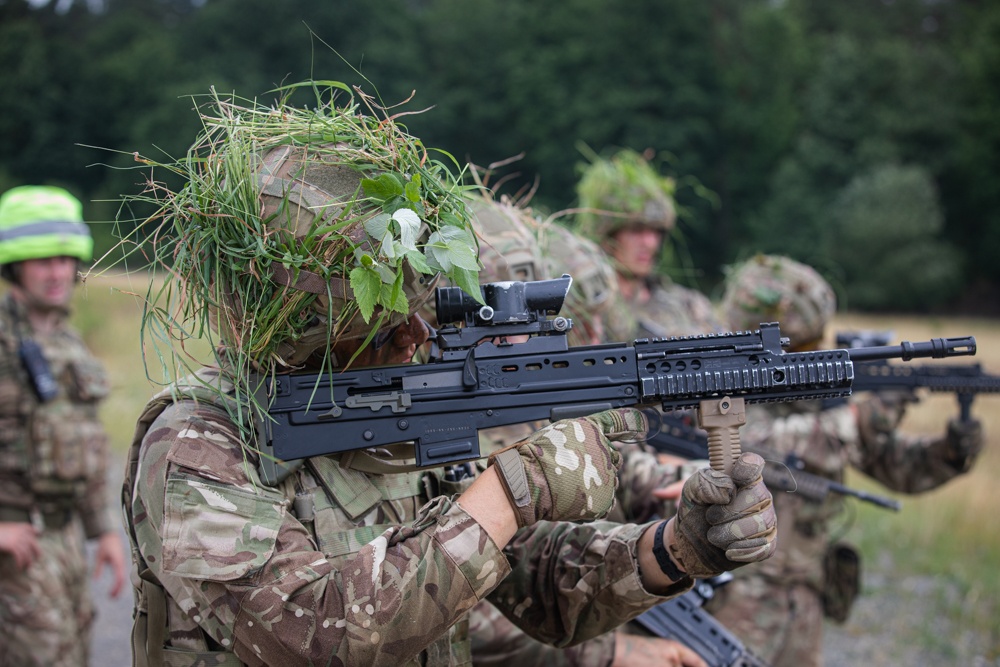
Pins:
<point x="663" y="559"/>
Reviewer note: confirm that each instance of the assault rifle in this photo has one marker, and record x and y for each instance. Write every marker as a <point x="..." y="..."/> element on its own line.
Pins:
<point x="678" y="435"/>
<point x="682" y="619"/>
<point x="966" y="380"/>
<point x="482" y="378"/>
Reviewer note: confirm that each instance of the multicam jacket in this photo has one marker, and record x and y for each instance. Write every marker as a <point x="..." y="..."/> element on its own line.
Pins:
<point x="672" y="310"/>
<point x="340" y="567"/>
<point x="53" y="454"/>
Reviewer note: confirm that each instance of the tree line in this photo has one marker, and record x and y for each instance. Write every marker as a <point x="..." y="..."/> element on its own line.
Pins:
<point x="859" y="136"/>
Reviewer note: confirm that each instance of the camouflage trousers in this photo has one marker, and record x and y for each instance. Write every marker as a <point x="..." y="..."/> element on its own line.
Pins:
<point x="781" y="624"/>
<point x="46" y="611"/>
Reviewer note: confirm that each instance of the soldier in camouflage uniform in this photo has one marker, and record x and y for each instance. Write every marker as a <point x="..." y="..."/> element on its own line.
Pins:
<point x="53" y="449"/>
<point x="495" y="639"/>
<point x="360" y="558"/>
<point x="629" y="209"/>
<point x="778" y="607"/>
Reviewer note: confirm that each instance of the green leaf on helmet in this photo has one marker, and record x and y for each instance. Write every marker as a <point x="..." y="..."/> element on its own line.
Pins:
<point x="366" y="285"/>
<point x="377" y="225"/>
<point x="409" y="227"/>
<point x="394" y="298"/>
<point x="383" y="188"/>
<point x="419" y="262"/>
<point x="469" y="282"/>
<point x="388" y="245"/>
<point x="412" y="189"/>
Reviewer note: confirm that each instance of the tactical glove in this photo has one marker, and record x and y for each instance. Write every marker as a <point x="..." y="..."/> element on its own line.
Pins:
<point x="723" y="522"/>
<point x="965" y="441"/>
<point x="567" y="471"/>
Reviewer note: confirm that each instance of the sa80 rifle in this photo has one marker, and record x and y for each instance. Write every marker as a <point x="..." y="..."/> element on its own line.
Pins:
<point x="509" y="362"/>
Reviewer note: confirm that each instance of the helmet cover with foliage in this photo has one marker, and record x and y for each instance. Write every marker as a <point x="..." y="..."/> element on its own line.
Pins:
<point x="301" y="227"/>
<point x="771" y="288"/>
<point x="624" y="191"/>
<point x="507" y="248"/>
<point x="39" y="221"/>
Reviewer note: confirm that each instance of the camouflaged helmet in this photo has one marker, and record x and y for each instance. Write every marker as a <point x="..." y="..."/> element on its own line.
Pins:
<point x="37" y="222"/>
<point x="771" y="288"/>
<point x="624" y="191"/>
<point x="301" y="227"/>
<point x="507" y="248"/>
<point x="302" y="191"/>
<point x="595" y="283"/>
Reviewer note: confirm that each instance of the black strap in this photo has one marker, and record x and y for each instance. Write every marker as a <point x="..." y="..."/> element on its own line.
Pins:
<point x="663" y="559"/>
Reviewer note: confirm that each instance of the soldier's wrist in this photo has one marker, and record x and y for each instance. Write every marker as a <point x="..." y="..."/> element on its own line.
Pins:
<point x="668" y="565"/>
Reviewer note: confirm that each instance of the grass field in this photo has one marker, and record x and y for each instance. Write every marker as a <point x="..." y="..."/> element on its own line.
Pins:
<point x="944" y="533"/>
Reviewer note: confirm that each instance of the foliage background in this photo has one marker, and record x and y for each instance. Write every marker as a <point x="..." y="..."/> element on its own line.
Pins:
<point x="859" y="136"/>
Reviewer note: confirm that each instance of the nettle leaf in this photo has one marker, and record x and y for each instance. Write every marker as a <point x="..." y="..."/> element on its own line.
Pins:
<point x="386" y="274"/>
<point x="394" y="298"/>
<point x="462" y="254"/>
<point x="388" y="245"/>
<point x="468" y="280"/>
<point x="409" y="227"/>
<point x="383" y="188"/>
<point x="412" y="189"/>
<point x="367" y="286"/>
<point x="419" y="262"/>
<point x="436" y="251"/>
<point x="376" y="226"/>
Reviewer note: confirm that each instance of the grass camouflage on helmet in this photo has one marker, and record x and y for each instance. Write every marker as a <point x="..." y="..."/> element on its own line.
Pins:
<point x="298" y="226"/>
<point x="622" y="191"/>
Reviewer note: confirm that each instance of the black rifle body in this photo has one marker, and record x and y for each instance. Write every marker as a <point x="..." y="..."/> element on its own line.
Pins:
<point x="683" y="620"/>
<point x="440" y="406"/>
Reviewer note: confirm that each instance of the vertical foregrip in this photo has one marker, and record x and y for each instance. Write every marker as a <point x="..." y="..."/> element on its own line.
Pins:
<point x="722" y="418"/>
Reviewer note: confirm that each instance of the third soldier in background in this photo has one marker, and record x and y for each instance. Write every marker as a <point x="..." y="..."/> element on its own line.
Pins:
<point x="629" y="209"/>
<point x="778" y="607"/>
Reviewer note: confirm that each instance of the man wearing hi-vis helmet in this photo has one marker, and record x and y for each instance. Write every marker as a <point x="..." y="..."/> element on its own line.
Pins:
<point x="53" y="449"/>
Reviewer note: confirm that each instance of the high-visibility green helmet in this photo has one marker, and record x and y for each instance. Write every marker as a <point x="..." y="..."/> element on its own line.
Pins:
<point x="39" y="221"/>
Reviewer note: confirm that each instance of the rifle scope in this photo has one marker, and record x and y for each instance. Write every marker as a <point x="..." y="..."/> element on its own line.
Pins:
<point x="505" y="302"/>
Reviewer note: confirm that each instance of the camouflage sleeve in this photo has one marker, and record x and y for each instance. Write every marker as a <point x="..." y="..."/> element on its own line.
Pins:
<point x="572" y="582"/>
<point x="902" y="462"/>
<point x="249" y="574"/>
<point x="641" y="473"/>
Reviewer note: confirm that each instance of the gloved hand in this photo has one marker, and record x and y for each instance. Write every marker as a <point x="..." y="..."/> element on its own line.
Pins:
<point x="567" y="471"/>
<point x="723" y="522"/>
<point x="965" y="441"/>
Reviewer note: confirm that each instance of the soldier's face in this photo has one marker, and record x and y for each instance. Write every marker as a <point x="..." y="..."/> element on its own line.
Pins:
<point x="398" y="349"/>
<point x="46" y="284"/>
<point x="636" y="249"/>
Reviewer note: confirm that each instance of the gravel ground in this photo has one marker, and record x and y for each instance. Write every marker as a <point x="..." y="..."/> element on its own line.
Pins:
<point x="899" y="620"/>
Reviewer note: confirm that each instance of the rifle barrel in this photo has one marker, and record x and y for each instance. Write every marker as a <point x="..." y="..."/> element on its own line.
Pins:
<point x="936" y="348"/>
